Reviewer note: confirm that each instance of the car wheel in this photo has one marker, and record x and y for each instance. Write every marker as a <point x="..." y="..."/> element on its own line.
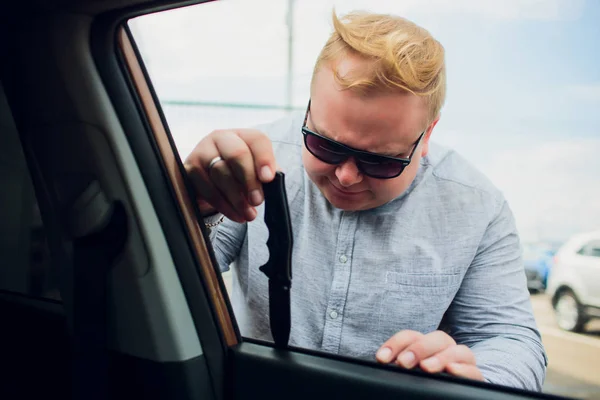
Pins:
<point x="568" y="312"/>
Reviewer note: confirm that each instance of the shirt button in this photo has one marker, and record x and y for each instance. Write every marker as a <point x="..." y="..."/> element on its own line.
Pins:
<point x="343" y="259"/>
<point x="333" y="314"/>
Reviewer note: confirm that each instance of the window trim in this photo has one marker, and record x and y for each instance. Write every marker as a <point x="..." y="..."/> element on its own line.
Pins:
<point x="114" y="72"/>
<point x="191" y="215"/>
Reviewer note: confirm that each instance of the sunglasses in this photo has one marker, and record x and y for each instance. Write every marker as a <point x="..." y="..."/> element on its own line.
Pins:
<point x="370" y="164"/>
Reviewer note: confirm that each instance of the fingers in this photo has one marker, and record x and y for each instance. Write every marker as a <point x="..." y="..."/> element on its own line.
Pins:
<point x="434" y="352"/>
<point x="239" y="160"/>
<point x="232" y="186"/>
<point x="427" y="346"/>
<point x="409" y="348"/>
<point x="208" y="195"/>
<point x="262" y="151"/>
<point x="465" y="371"/>
<point x="390" y="350"/>
<point x="454" y="354"/>
<point x="223" y="178"/>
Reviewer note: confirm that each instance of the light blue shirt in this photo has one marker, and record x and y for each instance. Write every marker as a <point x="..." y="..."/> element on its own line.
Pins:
<point x="443" y="255"/>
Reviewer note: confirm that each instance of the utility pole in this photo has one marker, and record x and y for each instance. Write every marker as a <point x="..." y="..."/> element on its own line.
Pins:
<point x="290" y="55"/>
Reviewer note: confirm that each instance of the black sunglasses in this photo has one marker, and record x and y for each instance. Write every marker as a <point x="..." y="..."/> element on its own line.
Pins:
<point x="370" y="164"/>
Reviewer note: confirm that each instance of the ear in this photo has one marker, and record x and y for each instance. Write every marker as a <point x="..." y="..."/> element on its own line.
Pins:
<point x="425" y="142"/>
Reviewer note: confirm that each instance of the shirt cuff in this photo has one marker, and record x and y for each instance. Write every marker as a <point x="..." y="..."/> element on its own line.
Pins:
<point x="210" y="221"/>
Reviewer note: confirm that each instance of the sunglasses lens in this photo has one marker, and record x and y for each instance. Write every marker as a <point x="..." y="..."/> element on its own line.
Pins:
<point x="325" y="150"/>
<point x="380" y="168"/>
<point x="332" y="153"/>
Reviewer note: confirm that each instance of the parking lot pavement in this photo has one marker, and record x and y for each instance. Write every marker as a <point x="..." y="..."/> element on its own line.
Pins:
<point x="573" y="358"/>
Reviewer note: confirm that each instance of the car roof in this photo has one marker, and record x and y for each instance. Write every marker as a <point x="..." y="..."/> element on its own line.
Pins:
<point x="582" y="238"/>
<point x="91" y="7"/>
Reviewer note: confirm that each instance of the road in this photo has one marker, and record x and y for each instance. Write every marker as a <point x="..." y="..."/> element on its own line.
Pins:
<point x="573" y="358"/>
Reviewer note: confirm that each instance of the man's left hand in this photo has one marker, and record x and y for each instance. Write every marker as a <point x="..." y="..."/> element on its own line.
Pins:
<point x="434" y="352"/>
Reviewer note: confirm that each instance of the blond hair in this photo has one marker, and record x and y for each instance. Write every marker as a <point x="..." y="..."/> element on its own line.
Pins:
<point x="405" y="57"/>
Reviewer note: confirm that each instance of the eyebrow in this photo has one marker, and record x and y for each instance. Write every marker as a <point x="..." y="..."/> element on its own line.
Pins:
<point x="402" y="154"/>
<point x="319" y="130"/>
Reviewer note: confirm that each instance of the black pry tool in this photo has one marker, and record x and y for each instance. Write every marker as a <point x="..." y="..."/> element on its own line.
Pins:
<point x="279" y="266"/>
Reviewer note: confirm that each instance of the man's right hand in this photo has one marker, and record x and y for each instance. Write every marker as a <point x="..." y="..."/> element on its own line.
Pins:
<point x="233" y="185"/>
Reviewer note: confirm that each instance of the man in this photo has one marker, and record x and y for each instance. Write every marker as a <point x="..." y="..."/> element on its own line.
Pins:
<point x="403" y="252"/>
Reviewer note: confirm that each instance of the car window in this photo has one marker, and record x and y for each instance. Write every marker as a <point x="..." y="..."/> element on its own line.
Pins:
<point x="595" y="250"/>
<point x="521" y="95"/>
<point x="25" y="267"/>
<point x="591" y="249"/>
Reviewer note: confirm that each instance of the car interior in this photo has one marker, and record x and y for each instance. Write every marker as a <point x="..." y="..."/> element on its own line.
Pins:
<point x="107" y="282"/>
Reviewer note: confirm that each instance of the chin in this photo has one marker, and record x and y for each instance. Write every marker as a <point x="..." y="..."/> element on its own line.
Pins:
<point x="346" y="204"/>
<point x="341" y="201"/>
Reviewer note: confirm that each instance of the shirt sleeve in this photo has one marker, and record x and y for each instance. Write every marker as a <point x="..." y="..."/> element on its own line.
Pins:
<point x="492" y="311"/>
<point x="227" y="239"/>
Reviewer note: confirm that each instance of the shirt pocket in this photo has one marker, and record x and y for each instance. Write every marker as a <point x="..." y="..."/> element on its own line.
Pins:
<point x="429" y="283"/>
<point x="415" y="301"/>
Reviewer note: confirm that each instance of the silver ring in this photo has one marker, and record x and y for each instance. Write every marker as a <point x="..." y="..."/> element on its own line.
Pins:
<point x="213" y="162"/>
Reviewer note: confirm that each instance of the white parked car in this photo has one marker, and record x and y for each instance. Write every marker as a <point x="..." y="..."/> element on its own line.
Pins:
<point x="574" y="283"/>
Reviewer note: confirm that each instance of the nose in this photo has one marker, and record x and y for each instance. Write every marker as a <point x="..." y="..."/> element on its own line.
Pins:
<point x="348" y="174"/>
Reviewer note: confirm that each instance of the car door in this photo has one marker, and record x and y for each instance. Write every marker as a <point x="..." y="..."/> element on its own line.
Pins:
<point x="588" y="266"/>
<point x="155" y="322"/>
<point x="120" y="300"/>
<point x="34" y="342"/>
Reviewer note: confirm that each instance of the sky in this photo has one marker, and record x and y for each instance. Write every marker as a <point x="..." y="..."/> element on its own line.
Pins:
<point x="523" y="86"/>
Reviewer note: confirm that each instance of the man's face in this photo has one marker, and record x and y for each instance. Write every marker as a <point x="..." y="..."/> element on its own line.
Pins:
<point x="387" y="124"/>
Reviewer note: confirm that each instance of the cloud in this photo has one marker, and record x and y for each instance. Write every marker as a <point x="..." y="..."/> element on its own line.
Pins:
<point x="587" y="93"/>
<point x="552" y="188"/>
<point x="224" y="38"/>
<point x="505" y="9"/>
<point x="513" y="9"/>
<point x="242" y="38"/>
